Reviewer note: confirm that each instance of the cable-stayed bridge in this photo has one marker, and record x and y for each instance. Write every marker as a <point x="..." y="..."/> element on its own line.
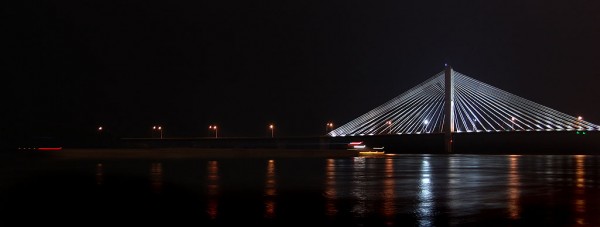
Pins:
<point x="451" y="102"/>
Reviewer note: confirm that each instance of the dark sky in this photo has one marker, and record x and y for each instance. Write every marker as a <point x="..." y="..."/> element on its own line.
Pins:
<point x="69" y="66"/>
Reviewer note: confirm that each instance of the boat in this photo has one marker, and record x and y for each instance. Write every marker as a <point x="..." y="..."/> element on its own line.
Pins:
<point x="364" y="150"/>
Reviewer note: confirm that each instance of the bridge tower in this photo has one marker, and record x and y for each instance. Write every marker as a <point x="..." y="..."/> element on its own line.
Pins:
<point x="448" y="127"/>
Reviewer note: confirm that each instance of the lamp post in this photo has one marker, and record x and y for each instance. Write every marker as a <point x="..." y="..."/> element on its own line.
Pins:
<point x="158" y="128"/>
<point x="512" y="120"/>
<point x="328" y="127"/>
<point x="389" y="126"/>
<point x="214" y="127"/>
<point x="271" y="126"/>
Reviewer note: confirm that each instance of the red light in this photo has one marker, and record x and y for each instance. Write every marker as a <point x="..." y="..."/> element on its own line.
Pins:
<point x="49" y="148"/>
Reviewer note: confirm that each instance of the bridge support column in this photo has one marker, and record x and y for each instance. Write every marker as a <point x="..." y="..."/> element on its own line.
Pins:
<point x="448" y="108"/>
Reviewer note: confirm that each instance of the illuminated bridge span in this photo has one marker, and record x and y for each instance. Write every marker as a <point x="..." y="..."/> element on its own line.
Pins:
<point x="469" y="106"/>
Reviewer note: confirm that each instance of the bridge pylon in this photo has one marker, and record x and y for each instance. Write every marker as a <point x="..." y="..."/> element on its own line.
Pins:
<point x="448" y="128"/>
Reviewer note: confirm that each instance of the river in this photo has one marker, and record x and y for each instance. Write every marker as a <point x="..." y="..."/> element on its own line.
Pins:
<point x="391" y="190"/>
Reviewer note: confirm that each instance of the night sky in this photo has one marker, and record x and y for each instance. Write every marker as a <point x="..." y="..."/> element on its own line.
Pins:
<point x="70" y="66"/>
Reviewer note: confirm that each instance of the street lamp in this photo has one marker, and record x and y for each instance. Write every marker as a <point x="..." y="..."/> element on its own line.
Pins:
<point x="389" y="126"/>
<point x="214" y="127"/>
<point x="158" y="128"/>
<point x="513" y="123"/>
<point x="100" y="129"/>
<point x="271" y="126"/>
<point x="329" y="126"/>
<point x="579" y="120"/>
<point x="425" y="123"/>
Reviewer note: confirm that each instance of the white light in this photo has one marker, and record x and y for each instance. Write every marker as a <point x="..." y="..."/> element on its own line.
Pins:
<point x="425" y="122"/>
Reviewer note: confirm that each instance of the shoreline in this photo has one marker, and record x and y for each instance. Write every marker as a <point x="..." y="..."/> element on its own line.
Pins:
<point x="182" y="153"/>
<point x="227" y="153"/>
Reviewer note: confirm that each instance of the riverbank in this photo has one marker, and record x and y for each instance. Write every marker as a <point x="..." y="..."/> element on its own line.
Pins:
<point x="527" y="142"/>
<point x="202" y="153"/>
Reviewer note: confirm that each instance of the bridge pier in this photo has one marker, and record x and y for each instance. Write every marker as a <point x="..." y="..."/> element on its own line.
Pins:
<point x="448" y="143"/>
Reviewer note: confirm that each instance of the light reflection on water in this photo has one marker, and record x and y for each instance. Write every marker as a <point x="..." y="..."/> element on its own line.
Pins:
<point x="452" y="193"/>
<point x="549" y="169"/>
<point x="458" y="187"/>
<point x="400" y="190"/>
<point x="156" y="177"/>
<point x="359" y="187"/>
<point x="513" y="187"/>
<point x="425" y="197"/>
<point x="330" y="188"/>
<point x="389" y="192"/>
<point x="99" y="174"/>
<point x="270" y="190"/>
<point x="213" y="189"/>
<point x="580" y="190"/>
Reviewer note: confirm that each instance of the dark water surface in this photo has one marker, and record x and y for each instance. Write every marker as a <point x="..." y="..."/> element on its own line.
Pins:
<point x="400" y="190"/>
